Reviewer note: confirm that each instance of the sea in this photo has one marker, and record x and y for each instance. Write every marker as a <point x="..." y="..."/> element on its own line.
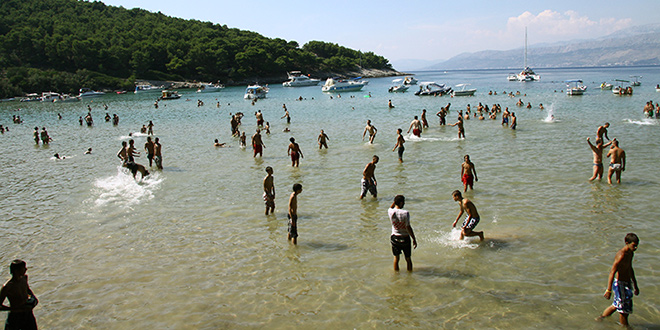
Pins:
<point x="190" y="247"/>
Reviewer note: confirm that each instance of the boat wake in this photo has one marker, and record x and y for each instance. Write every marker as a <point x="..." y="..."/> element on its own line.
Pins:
<point x="643" y="122"/>
<point x="124" y="191"/>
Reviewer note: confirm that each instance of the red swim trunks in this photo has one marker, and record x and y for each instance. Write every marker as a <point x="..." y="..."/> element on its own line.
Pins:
<point x="257" y="148"/>
<point x="467" y="179"/>
<point x="294" y="156"/>
<point x="417" y="132"/>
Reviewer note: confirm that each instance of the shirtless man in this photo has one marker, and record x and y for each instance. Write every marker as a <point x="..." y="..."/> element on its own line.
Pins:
<point x="292" y="234"/>
<point x="472" y="218"/>
<point x="468" y="173"/>
<point x="45" y="138"/>
<point x="514" y="120"/>
<point x="425" y="123"/>
<point x="269" y="191"/>
<point x="399" y="144"/>
<point x="295" y="152"/>
<point x="21" y="298"/>
<point x="369" y="182"/>
<point x="372" y="131"/>
<point x="602" y="131"/>
<point x="122" y="155"/>
<point x="598" y="157"/>
<point x="617" y="162"/>
<point x="220" y="145"/>
<point x="286" y="115"/>
<point x="158" y="157"/>
<point x="442" y="114"/>
<point x="416" y="127"/>
<point x="625" y="283"/>
<point x="260" y="118"/>
<point x="461" y="129"/>
<point x="149" y="148"/>
<point x="36" y="135"/>
<point x="322" y="140"/>
<point x="257" y="144"/>
<point x="131" y="151"/>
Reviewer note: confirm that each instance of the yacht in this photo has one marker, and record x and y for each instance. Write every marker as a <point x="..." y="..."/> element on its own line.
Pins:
<point x="170" y="95"/>
<point x="433" y="89"/>
<point x="210" y="88"/>
<point x="255" y="92"/>
<point x="297" y="79"/>
<point x="31" y="97"/>
<point x="341" y="85"/>
<point x="49" y="96"/>
<point x="146" y="88"/>
<point x="86" y="92"/>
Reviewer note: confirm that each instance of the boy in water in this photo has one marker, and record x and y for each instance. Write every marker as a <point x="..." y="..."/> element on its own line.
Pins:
<point x="293" y="214"/>
<point x="472" y="219"/>
<point x="21" y="299"/>
<point x="623" y="284"/>
<point x="269" y="191"/>
<point x="402" y="232"/>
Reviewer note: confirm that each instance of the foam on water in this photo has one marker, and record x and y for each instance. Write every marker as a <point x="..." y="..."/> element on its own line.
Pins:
<point x="413" y="138"/>
<point x="123" y="190"/>
<point x="133" y="135"/>
<point x="452" y="239"/>
<point x="550" y="118"/>
<point x="643" y="122"/>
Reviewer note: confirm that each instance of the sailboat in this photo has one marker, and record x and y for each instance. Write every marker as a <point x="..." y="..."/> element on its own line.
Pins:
<point x="527" y="74"/>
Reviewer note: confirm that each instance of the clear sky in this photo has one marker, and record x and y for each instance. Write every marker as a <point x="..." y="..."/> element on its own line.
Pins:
<point x="427" y="30"/>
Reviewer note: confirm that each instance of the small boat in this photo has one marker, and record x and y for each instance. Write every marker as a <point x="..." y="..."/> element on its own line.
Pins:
<point x="146" y="88"/>
<point x="463" y="91"/>
<point x="635" y="81"/>
<point x="32" y="97"/>
<point x="255" y="92"/>
<point x="512" y="77"/>
<point x="606" y="86"/>
<point x="433" y="89"/>
<point x="49" y="96"/>
<point x="170" y="95"/>
<point x="67" y="98"/>
<point x="86" y="92"/>
<point x="297" y="79"/>
<point x="575" y="87"/>
<point x="410" y="81"/>
<point x="210" y="88"/>
<point x="399" y="86"/>
<point x="340" y="85"/>
<point x="620" y="90"/>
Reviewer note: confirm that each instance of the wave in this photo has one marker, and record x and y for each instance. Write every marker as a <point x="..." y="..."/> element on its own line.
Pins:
<point x="123" y="190"/>
<point x="645" y="121"/>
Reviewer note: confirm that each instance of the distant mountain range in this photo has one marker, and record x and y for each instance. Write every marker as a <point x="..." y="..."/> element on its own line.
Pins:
<point x="639" y="45"/>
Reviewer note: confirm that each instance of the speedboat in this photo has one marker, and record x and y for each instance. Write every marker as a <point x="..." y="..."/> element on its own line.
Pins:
<point x="255" y="92"/>
<point x="575" y="87"/>
<point x="210" y="88"/>
<point x="67" y="98"/>
<point x="635" y="81"/>
<point x="512" y="77"/>
<point x="463" y="91"/>
<point x="297" y="79"/>
<point x="433" y="89"/>
<point x="49" y="96"/>
<point x="146" y="88"/>
<point x="340" y="85"/>
<point x="410" y="81"/>
<point x="86" y="92"/>
<point x="32" y="97"/>
<point x="620" y="90"/>
<point x="399" y="86"/>
<point x="170" y="95"/>
<point x="606" y="86"/>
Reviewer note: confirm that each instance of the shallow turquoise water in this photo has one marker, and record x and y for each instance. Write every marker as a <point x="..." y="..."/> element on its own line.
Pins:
<point x="189" y="247"/>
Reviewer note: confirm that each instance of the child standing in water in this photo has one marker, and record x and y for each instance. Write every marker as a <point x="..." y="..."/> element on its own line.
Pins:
<point x="401" y="232"/>
<point x="293" y="214"/>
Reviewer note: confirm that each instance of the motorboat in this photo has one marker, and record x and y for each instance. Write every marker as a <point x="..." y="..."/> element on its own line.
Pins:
<point x="527" y="74"/>
<point x="399" y="86"/>
<point x="433" y="89"/>
<point x="67" y="98"/>
<point x="86" y="92"/>
<point x="255" y="92"/>
<point x="341" y="85"/>
<point x="210" y="88"/>
<point x="410" y="81"/>
<point x="297" y="79"/>
<point x="606" y="86"/>
<point x="635" y="81"/>
<point x="146" y="88"/>
<point x="620" y="90"/>
<point x="170" y="95"/>
<point x="512" y="77"/>
<point x="463" y="91"/>
<point x="49" y="96"/>
<point x="575" y="87"/>
<point x="32" y="97"/>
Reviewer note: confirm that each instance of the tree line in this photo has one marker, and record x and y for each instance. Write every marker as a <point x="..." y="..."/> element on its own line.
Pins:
<point x="62" y="45"/>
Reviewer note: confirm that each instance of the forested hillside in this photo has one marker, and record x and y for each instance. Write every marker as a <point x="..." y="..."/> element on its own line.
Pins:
<point x="63" y="45"/>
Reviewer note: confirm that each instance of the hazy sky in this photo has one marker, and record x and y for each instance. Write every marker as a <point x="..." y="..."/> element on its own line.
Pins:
<point x="428" y="30"/>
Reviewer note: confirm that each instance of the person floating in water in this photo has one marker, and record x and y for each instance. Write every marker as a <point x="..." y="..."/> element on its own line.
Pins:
<point x="622" y="282"/>
<point x="472" y="218"/>
<point x="402" y="232"/>
<point x="21" y="298"/>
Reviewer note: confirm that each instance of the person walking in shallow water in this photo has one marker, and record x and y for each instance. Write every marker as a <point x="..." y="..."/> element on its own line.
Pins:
<point x="292" y="234"/>
<point x="617" y="162"/>
<point x="369" y="179"/>
<point x="399" y="144"/>
<point x="402" y="232"/>
<point x="472" y="218"/>
<point x="468" y="173"/>
<point x="295" y="152"/>
<point x="622" y="282"/>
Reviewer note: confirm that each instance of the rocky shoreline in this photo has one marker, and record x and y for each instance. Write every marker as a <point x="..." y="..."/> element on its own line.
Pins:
<point x="365" y="73"/>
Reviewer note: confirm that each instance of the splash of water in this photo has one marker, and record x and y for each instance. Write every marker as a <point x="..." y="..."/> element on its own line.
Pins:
<point x="123" y="190"/>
